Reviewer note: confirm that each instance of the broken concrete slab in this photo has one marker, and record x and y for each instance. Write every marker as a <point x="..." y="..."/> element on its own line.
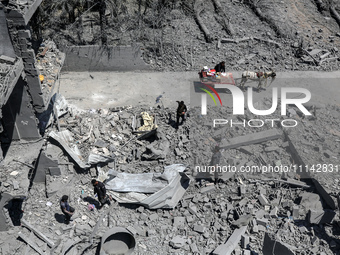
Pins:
<point x="5" y="197"/>
<point x="31" y="243"/>
<point x="230" y="245"/>
<point x="273" y="247"/>
<point x="178" y="242"/>
<point x="324" y="194"/>
<point x="321" y="217"/>
<point x="263" y="200"/>
<point x="63" y="139"/>
<point x="37" y="232"/>
<point x="253" y="138"/>
<point x="42" y="167"/>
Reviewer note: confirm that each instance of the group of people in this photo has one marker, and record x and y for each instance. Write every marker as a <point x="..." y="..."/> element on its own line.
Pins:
<point x="99" y="190"/>
<point x="99" y="187"/>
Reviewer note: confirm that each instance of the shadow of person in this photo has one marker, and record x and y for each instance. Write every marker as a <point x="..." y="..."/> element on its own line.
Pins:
<point x="59" y="217"/>
<point x="92" y="201"/>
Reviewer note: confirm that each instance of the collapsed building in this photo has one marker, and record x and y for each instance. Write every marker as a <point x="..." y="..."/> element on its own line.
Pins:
<point x="163" y="203"/>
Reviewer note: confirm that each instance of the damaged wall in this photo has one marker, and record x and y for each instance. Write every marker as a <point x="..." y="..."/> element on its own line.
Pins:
<point x="99" y="58"/>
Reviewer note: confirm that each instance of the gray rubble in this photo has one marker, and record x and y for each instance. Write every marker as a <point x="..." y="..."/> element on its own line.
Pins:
<point x="233" y="214"/>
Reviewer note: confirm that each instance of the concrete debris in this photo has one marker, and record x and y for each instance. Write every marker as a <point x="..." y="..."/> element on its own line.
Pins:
<point x="273" y="247"/>
<point x="251" y="139"/>
<point x="230" y="245"/>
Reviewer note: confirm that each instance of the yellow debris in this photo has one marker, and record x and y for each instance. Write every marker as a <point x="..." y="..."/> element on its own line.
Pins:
<point x="148" y="122"/>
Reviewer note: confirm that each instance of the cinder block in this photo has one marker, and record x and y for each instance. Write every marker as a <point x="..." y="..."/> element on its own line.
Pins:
<point x="199" y="228"/>
<point x="263" y="200"/>
<point x="207" y="189"/>
<point x="262" y="222"/>
<point x="273" y="212"/>
<point x="153" y="216"/>
<point x="296" y="212"/>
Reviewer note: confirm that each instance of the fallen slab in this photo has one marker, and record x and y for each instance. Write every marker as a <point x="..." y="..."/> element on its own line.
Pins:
<point x="37" y="232"/>
<point x="5" y="197"/>
<point x="31" y="243"/>
<point x="230" y="245"/>
<point x="324" y="194"/>
<point x="253" y="138"/>
<point x="60" y="138"/>
<point x="273" y="247"/>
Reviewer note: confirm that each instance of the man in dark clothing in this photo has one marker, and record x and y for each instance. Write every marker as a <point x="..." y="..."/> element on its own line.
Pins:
<point x="66" y="209"/>
<point x="100" y="190"/>
<point x="181" y="110"/>
<point x="220" y="68"/>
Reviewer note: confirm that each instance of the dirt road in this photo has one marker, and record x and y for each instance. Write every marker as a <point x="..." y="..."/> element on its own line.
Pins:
<point x="109" y="89"/>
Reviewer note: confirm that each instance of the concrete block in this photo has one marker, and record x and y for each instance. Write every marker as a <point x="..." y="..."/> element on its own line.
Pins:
<point x="260" y="214"/>
<point x="244" y="241"/>
<point x="15" y="185"/>
<point x="271" y="148"/>
<point x="263" y="200"/>
<point x="192" y="209"/>
<point x="262" y="222"/>
<point x="177" y="242"/>
<point x="242" y="190"/>
<point x="132" y="230"/>
<point x="253" y="138"/>
<point x="153" y="216"/>
<point x="261" y="228"/>
<point x="224" y="215"/>
<point x="199" y="228"/>
<point x="296" y="212"/>
<point x="273" y="212"/>
<point x="207" y="189"/>
<point x="193" y="248"/>
<point x="179" y="221"/>
<point x="243" y="220"/>
<point x="255" y="229"/>
<point x="231" y="244"/>
<point x="24" y="33"/>
<point x="7" y="59"/>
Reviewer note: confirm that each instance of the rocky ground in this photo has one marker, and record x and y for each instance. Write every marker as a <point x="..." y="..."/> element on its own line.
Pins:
<point x="186" y="35"/>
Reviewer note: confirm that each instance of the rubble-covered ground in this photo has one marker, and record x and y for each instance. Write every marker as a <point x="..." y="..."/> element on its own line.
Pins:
<point x="187" y="35"/>
<point x="263" y="209"/>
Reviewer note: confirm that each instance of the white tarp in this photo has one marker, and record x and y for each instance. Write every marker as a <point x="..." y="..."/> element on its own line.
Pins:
<point x="166" y="189"/>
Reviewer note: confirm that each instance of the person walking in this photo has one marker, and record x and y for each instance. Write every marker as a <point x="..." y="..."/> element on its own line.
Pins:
<point x="181" y="110"/>
<point x="100" y="190"/>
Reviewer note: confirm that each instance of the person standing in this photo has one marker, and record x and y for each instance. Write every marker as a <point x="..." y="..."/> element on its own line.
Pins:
<point x="181" y="110"/>
<point x="67" y="210"/>
<point x="100" y="190"/>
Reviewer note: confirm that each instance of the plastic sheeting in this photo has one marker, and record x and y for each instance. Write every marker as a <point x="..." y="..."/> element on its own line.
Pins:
<point x="166" y="189"/>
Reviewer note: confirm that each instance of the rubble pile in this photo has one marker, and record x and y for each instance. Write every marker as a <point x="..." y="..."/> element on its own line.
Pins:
<point x="224" y="213"/>
<point x="49" y="63"/>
